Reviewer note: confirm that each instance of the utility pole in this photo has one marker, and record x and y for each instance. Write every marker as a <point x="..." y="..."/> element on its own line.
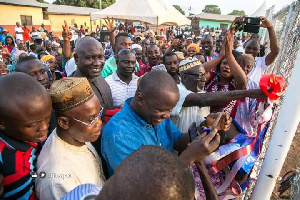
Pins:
<point x="189" y="9"/>
<point x="100" y="8"/>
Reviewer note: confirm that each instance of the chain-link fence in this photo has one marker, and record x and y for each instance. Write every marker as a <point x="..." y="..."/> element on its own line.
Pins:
<point x="287" y="25"/>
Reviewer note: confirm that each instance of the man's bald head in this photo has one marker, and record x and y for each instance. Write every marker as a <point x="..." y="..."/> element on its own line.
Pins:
<point x="155" y="83"/>
<point x="89" y="57"/>
<point x="82" y="43"/>
<point x="156" y="96"/>
<point x="35" y="68"/>
<point x="151" y="172"/>
<point x="252" y="47"/>
<point x="19" y="88"/>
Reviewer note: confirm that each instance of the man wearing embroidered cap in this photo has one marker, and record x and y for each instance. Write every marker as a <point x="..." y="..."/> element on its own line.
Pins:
<point x="68" y="158"/>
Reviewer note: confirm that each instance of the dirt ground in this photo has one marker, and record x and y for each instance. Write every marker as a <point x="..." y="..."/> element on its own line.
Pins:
<point x="290" y="163"/>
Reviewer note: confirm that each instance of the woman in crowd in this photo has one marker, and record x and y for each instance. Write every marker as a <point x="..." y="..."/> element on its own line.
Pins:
<point x="192" y="49"/>
<point x="227" y="76"/>
<point x="51" y="65"/>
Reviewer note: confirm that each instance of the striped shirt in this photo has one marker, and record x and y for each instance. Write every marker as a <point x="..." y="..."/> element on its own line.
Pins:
<point x="17" y="162"/>
<point x="84" y="191"/>
<point x="120" y="90"/>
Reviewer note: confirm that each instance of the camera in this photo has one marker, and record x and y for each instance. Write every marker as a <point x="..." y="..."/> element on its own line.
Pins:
<point x="249" y="25"/>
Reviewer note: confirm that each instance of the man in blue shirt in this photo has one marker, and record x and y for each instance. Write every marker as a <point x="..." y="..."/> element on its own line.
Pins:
<point x="145" y="121"/>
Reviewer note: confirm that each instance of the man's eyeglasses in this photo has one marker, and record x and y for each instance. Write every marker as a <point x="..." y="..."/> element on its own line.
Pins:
<point x="88" y="123"/>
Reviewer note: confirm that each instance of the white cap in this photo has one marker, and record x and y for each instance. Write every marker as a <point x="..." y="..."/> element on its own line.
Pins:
<point x="136" y="46"/>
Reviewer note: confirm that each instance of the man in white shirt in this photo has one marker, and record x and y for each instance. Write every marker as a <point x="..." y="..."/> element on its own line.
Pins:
<point x="253" y="47"/>
<point x="192" y="80"/>
<point x="123" y="82"/>
<point x="19" y="32"/>
<point x="68" y="159"/>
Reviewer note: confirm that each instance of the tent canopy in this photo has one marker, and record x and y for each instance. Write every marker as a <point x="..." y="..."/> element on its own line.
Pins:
<point x="150" y="11"/>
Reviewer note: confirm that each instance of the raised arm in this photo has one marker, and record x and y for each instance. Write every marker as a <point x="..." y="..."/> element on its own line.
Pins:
<point x="274" y="46"/>
<point x="220" y="98"/>
<point x="209" y="188"/>
<point x="110" y="24"/>
<point x="173" y="45"/>
<point x="236" y="70"/>
<point x="210" y="65"/>
<point x="67" y="36"/>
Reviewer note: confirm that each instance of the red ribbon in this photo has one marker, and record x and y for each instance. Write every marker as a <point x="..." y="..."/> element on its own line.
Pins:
<point x="272" y="85"/>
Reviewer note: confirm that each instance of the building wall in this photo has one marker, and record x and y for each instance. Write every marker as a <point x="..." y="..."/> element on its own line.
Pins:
<point x="57" y="20"/>
<point x="212" y="24"/>
<point x="10" y="14"/>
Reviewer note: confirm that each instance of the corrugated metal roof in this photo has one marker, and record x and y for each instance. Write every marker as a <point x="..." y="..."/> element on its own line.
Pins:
<point x="216" y="17"/>
<point x="62" y="9"/>
<point x="31" y="3"/>
<point x="52" y="8"/>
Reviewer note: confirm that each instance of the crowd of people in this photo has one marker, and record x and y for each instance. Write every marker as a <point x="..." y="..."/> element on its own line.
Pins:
<point x="84" y="119"/>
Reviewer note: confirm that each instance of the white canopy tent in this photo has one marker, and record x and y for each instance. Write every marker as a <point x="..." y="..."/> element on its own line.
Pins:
<point x="155" y="12"/>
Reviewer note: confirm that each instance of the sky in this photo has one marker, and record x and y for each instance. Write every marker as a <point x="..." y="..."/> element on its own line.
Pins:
<point x="226" y="6"/>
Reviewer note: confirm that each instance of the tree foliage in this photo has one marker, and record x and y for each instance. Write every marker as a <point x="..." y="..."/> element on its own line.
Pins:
<point x="85" y="3"/>
<point x="179" y="9"/>
<point x="212" y="9"/>
<point x="237" y="12"/>
<point x="41" y="1"/>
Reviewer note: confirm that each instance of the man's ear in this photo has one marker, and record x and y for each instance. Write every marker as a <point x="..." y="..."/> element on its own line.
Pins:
<point x="63" y="122"/>
<point x="183" y="77"/>
<point x="76" y="58"/>
<point x="140" y="98"/>
<point x="2" y="126"/>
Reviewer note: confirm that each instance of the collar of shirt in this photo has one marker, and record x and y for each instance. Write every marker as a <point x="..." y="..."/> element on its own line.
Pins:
<point x="117" y="78"/>
<point x="17" y="144"/>
<point x="133" y="115"/>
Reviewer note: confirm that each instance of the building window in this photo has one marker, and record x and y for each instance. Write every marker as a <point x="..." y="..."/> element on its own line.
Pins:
<point x="26" y="19"/>
<point x="223" y="27"/>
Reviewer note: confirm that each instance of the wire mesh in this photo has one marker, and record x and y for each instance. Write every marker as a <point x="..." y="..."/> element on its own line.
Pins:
<point x="289" y="40"/>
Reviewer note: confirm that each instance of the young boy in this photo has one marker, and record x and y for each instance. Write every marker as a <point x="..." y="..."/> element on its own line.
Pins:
<point x="247" y="63"/>
<point x="24" y="121"/>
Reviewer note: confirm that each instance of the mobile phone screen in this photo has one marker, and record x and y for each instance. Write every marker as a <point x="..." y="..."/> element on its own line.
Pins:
<point x="193" y="131"/>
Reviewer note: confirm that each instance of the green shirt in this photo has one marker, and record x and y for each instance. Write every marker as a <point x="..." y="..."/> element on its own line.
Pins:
<point x="110" y="66"/>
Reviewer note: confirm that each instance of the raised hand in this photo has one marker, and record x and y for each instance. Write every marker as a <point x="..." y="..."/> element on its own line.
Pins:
<point x="265" y="23"/>
<point x="66" y="34"/>
<point x="110" y="24"/>
<point x="229" y="42"/>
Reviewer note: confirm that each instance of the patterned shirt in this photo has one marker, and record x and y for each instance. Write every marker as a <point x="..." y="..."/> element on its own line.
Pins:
<point x="246" y="111"/>
<point x="214" y="86"/>
<point x="120" y="90"/>
<point x="17" y="162"/>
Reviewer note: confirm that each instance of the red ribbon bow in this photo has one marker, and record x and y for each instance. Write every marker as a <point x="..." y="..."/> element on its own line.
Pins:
<point x="272" y="85"/>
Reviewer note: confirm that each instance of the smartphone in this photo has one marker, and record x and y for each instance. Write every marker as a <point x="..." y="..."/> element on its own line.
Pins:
<point x="251" y="24"/>
<point x="193" y="131"/>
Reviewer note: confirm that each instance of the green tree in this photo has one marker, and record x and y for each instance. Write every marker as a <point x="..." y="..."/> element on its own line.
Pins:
<point x="237" y="12"/>
<point x="212" y="9"/>
<point x="85" y="3"/>
<point x="42" y="1"/>
<point x="179" y="9"/>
